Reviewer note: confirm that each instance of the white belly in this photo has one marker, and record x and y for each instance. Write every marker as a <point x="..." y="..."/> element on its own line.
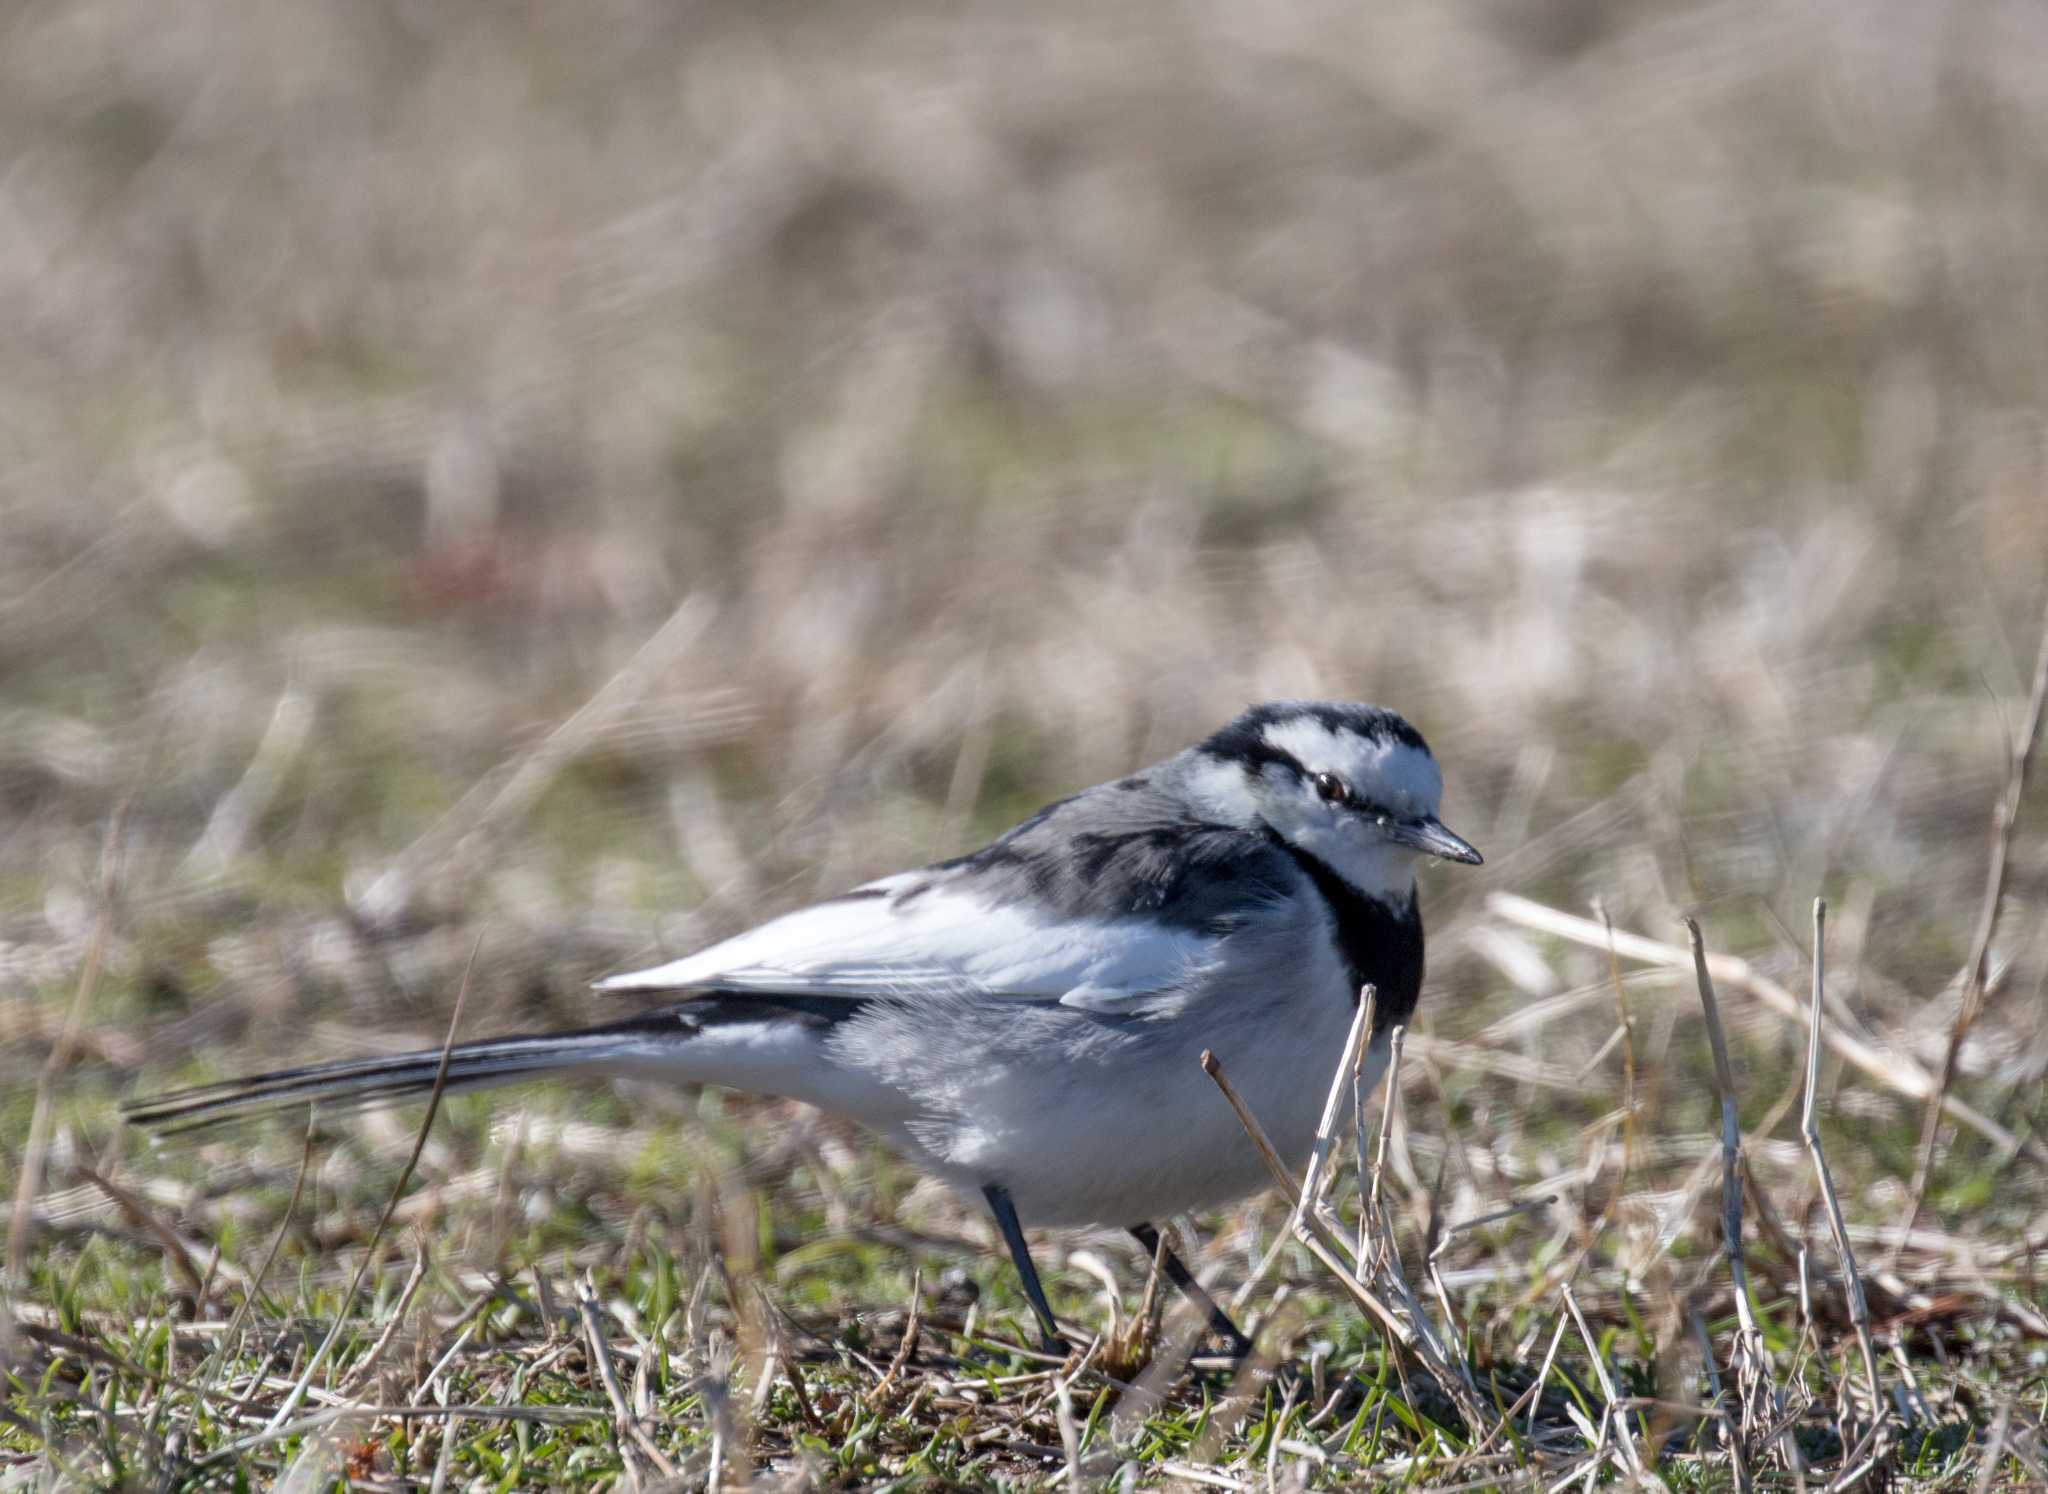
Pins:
<point x="1142" y="1133"/>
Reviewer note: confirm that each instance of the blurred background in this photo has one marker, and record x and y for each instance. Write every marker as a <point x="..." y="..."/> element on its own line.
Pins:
<point x="591" y="476"/>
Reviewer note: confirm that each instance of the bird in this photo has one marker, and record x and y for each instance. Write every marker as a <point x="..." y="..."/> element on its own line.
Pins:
<point x="1025" y="1021"/>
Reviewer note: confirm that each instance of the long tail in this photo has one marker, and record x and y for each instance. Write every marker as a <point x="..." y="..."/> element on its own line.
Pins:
<point x="680" y="1041"/>
<point x="359" y="1081"/>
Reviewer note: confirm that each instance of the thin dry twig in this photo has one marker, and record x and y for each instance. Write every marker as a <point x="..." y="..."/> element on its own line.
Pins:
<point x="1976" y="969"/>
<point x="1615" y="1416"/>
<point x="1315" y="1182"/>
<point x="879" y="1396"/>
<point x="1268" y="1153"/>
<point x="1309" y="1229"/>
<point x="1070" y="1434"/>
<point x="1895" y="1070"/>
<point x="360" y="1371"/>
<point x="419" y="1145"/>
<point x="1529" y="1397"/>
<point x="1452" y="1231"/>
<point x="224" y="1350"/>
<point x="1326" y="1245"/>
<point x="1809" y="1130"/>
<point x="446" y="1456"/>
<point x="1627" y="1034"/>
<point x="1145" y="1325"/>
<point x="1738" y="1460"/>
<point x="1369" y="998"/>
<point x="142" y="1215"/>
<point x="1372" y="1221"/>
<point x="1750" y="1361"/>
<point x="635" y="1446"/>
<point x="464" y="1327"/>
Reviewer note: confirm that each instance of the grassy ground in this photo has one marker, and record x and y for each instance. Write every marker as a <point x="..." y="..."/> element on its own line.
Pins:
<point x="555" y="485"/>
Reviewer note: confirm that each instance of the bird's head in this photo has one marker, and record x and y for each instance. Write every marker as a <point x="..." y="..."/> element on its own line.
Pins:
<point x="1354" y="786"/>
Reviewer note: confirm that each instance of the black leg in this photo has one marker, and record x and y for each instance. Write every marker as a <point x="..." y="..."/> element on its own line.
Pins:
<point x="1013" y="1235"/>
<point x="1184" y="1279"/>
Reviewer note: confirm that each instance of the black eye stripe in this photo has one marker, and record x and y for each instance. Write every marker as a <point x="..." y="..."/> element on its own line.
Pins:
<point x="1333" y="790"/>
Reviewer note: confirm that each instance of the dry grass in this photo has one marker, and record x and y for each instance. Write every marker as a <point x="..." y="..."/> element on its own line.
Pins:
<point x="561" y="483"/>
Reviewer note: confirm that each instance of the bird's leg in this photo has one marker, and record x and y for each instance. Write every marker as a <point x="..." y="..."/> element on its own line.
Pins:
<point x="1013" y="1235"/>
<point x="1178" y="1273"/>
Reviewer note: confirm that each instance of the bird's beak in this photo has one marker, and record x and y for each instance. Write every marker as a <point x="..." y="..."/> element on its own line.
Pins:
<point x="1428" y="834"/>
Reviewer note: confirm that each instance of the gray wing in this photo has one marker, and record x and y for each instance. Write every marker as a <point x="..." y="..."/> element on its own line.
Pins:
<point x="1098" y="902"/>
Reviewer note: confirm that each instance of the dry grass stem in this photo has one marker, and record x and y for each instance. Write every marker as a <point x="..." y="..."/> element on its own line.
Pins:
<point x="141" y="1214"/>
<point x="1809" y="1130"/>
<point x="444" y="1456"/>
<point x="641" y="1456"/>
<point x="463" y="1330"/>
<point x="1150" y="1301"/>
<point x="1372" y="1218"/>
<point x="1626" y="1032"/>
<point x="1731" y="1438"/>
<point x="1756" y="1397"/>
<point x="360" y="1372"/>
<point x="1315" y="1182"/>
<point x="230" y="1339"/>
<point x="905" y="1347"/>
<point x="1512" y="1211"/>
<point x="1282" y="1178"/>
<point x="1896" y="1071"/>
<point x="1613" y="1415"/>
<point x="369" y="1256"/>
<point x="1070" y="1434"/>
<point x="1374" y="1269"/>
<point x="1530" y="1398"/>
<point x="1975" y="978"/>
<point x="1307" y="1227"/>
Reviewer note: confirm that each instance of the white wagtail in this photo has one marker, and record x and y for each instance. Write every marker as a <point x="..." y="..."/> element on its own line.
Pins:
<point x="1025" y="1021"/>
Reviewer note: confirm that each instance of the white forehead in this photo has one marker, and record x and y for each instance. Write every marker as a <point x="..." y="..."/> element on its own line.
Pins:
<point x="1388" y="772"/>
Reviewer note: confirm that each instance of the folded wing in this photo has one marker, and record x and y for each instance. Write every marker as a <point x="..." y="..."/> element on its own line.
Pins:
<point x="918" y="934"/>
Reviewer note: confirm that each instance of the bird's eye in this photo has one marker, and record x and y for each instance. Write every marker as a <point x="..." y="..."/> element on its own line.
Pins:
<point x="1332" y="789"/>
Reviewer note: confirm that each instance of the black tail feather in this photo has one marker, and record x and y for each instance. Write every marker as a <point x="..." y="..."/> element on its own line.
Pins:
<point x="486" y="1061"/>
<point x="360" y="1081"/>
